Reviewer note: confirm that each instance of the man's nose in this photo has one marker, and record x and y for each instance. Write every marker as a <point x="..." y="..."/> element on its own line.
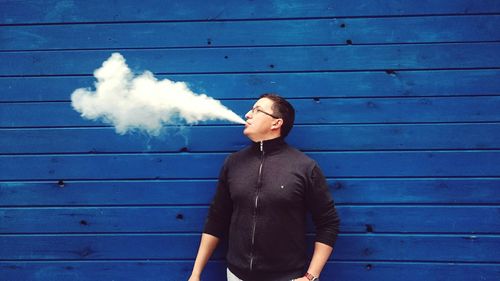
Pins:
<point x="249" y="114"/>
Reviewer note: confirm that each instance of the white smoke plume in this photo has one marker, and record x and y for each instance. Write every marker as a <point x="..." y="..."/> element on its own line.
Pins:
<point x="142" y="102"/>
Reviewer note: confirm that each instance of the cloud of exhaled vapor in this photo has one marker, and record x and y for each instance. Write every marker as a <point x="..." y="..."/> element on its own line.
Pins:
<point x="142" y="102"/>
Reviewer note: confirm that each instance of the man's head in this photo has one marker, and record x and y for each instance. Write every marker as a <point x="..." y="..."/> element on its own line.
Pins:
<point x="271" y="116"/>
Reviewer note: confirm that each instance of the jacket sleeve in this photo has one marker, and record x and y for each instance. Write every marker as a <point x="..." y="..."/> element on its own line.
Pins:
<point x="221" y="208"/>
<point x="320" y="203"/>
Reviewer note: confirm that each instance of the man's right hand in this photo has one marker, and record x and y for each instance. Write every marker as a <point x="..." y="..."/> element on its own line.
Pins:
<point x="207" y="246"/>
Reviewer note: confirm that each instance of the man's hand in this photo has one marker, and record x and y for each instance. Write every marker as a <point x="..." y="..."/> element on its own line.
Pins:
<point x="194" y="278"/>
<point x="207" y="246"/>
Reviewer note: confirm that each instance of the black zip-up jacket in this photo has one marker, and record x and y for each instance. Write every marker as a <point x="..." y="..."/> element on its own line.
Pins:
<point x="263" y="195"/>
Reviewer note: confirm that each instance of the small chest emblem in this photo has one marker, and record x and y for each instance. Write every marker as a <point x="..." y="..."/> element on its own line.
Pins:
<point x="282" y="186"/>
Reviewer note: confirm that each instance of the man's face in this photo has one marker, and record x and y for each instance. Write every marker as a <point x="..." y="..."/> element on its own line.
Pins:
<point x="261" y="126"/>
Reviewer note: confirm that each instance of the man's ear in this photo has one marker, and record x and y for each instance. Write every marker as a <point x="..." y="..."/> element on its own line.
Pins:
<point x="277" y="124"/>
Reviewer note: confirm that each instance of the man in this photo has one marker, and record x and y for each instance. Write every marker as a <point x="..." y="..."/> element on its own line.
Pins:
<point x="263" y="195"/>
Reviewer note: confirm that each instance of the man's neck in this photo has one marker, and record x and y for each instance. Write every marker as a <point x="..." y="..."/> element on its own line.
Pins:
<point x="265" y="138"/>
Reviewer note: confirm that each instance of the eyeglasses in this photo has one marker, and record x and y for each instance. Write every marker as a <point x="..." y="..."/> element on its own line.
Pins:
<point x="255" y="110"/>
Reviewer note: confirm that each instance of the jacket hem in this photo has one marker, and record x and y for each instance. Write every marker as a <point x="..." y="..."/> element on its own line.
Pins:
<point x="247" y="275"/>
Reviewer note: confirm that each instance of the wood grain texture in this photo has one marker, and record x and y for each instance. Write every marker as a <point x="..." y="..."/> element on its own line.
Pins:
<point x="292" y="85"/>
<point x="360" y="247"/>
<point x="251" y="33"/>
<point x="443" y="191"/>
<point x="396" y="100"/>
<point x="180" y="219"/>
<point x="231" y="138"/>
<point x="309" y="111"/>
<point x="29" y="11"/>
<point x="180" y="270"/>
<point x="172" y="165"/>
<point x="264" y="59"/>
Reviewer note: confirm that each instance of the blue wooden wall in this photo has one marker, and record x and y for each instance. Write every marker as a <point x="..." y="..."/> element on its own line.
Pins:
<point x="398" y="101"/>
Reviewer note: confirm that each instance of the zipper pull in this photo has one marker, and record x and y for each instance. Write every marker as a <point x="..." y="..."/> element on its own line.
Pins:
<point x="261" y="146"/>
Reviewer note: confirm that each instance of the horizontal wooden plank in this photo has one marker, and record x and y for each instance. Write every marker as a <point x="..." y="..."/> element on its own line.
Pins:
<point x="216" y="270"/>
<point x="107" y="270"/>
<point x="207" y="165"/>
<point x="354" y="219"/>
<point x="256" y="33"/>
<point x="102" y="220"/>
<point x="183" y="192"/>
<point x="290" y="85"/>
<point x="401" y="164"/>
<point x="230" y="138"/>
<point x="326" y="111"/>
<point x="29" y="11"/>
<point x="267" y="59"/>
<point x="420" y="191"/>
<point x="450" y="248"/>
<point x="200" y="192"/>
<point x="419" y="219"/>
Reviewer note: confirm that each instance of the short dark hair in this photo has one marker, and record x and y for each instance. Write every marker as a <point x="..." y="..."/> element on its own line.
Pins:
<point x="284" y="110"/>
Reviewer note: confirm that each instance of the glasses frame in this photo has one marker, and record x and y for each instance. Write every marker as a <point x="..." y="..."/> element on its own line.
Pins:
<point x="255" y="110"/>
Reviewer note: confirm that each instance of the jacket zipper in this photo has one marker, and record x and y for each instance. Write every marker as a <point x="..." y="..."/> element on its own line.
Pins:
<point x="256" y="203"/>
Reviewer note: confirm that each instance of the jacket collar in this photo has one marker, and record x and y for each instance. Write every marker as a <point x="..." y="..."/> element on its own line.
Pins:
<point x="269" y="146"/>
